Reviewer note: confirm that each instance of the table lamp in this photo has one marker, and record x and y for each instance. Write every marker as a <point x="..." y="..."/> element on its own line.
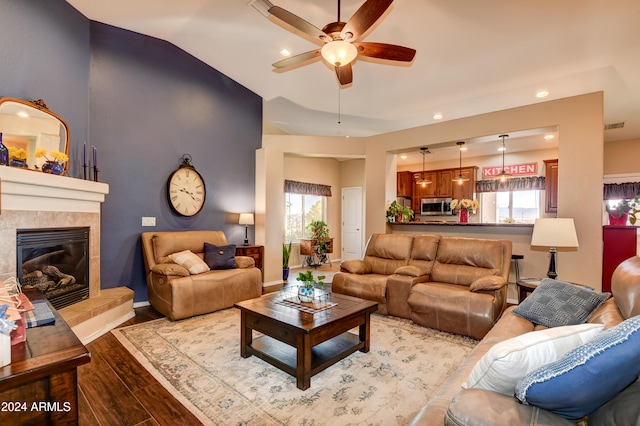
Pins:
<point x="246" y="219"/>
<point x="554" y="233"/>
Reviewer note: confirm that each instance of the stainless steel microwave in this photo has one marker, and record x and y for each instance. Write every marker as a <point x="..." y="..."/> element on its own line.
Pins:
<point x="436" y="207"/>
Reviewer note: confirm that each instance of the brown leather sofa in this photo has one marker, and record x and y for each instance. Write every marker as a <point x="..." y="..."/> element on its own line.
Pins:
<point x="176" y="293"/>
<point x="452" y="405"/>
<point x="452" y="284"/>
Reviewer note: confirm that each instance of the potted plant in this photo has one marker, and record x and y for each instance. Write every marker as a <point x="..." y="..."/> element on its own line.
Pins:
<point x="619" y="214"/>
<point x="320" y="235"/>
<point x="309" y="284"/>
<point x="286" y="255"/>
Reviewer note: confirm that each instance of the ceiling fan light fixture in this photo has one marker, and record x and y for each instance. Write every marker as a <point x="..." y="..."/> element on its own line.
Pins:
<point x="339" y="52"/>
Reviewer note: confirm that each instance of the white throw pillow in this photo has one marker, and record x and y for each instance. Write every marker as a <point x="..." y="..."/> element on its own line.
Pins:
<point x="191" y="261"/>
<point x="508" y="361"/>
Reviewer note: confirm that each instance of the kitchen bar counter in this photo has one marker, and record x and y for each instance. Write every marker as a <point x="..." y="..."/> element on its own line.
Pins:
<point x="447" y="223"/>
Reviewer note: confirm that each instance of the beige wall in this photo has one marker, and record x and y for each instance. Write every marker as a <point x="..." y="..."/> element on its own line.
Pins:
<point x="580" y="123"/>
<point x="621" y="157"/>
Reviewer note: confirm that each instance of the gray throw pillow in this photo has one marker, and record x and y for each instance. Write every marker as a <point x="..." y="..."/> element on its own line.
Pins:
<point x="555" y="303"/>
<point x="220" y="257"/>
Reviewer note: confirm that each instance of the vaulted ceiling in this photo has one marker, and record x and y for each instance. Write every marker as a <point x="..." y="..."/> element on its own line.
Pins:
<point x="472" y="57"/>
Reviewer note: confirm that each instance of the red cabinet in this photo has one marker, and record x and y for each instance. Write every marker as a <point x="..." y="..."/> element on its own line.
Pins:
<point x="620" y="243"/>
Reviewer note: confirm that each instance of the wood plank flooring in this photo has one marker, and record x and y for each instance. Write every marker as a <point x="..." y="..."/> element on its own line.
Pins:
<point x="114" y="389"/>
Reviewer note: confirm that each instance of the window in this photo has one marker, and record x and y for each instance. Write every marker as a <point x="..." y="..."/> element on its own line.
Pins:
<point x="521" y="206"/>
<point x="300" y="210"/>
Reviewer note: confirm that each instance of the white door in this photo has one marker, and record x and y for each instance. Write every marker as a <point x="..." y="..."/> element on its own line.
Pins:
<point x="352" y="223"/>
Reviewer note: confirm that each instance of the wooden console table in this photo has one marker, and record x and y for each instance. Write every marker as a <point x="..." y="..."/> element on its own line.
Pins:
<point x="40" y="385"/>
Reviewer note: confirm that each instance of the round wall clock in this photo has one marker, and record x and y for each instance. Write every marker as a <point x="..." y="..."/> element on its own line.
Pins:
<point x="185" y="189"/>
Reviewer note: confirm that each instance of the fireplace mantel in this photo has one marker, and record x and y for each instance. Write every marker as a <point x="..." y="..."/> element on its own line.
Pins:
<point x="26" y="190"/>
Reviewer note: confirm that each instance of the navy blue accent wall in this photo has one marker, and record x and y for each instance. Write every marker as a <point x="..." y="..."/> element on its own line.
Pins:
<point x="44" y="54"/>
<point x="143" y="103"/>
<point x="151" y="103"/>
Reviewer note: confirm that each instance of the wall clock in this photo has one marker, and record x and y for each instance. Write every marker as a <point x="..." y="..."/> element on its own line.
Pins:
<point x="186" y="191"/>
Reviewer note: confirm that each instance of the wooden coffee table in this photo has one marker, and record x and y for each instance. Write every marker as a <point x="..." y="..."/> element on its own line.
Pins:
<point x="300" y="343"/>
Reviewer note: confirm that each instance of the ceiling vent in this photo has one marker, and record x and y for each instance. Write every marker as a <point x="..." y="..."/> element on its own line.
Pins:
<point x="619" y="125"/>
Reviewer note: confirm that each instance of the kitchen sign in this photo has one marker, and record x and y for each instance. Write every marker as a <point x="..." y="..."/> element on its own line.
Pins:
<point x="514" y="170"/>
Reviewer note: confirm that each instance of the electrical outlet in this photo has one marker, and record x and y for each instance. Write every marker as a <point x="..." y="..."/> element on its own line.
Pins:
<point x="148" y="221"/>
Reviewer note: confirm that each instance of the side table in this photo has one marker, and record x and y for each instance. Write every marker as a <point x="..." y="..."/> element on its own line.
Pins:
<point x="255" y="251"/>
<point x="526" y="286"/>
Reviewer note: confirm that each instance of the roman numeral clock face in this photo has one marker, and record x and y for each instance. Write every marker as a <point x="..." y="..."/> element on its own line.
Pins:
<point x="186" y="191"/>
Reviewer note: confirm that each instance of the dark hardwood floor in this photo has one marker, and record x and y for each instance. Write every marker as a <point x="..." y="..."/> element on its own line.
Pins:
<point x="114" y="389"/>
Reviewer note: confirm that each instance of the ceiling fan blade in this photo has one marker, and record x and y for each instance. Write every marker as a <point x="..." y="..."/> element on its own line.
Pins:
<point x="344" y="74"/>
<point x="304" y="28"/>
<point x="297" y="60"/>
<point x="364" y="18"/>
<point x="390" y="52"/>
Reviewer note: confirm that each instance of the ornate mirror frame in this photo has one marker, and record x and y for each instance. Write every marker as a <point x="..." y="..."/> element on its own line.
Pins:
<point x="30" y="125"/>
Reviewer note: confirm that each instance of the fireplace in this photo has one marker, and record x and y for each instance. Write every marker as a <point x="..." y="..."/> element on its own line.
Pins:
<point x="55" y="261"/>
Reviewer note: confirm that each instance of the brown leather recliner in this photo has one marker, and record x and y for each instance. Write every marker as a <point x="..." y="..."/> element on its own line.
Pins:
<point x="448" y="283"/>
<point x="174" y="292"/>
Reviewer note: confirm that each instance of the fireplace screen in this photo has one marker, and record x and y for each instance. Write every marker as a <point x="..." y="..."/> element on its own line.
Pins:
<point x="56" y="262"/>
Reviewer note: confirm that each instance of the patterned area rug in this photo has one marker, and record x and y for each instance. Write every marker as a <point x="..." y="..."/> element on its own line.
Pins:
<point x="198" y="359"/>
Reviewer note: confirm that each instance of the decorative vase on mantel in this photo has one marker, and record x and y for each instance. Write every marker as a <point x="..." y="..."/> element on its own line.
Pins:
<point x="463" y="216"/>
<point x="618" y="220"/>
<point x="15" y="162"/>
<point x="53" y="167"/>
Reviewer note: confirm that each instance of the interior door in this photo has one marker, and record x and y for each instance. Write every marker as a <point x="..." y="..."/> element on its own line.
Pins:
<point x="352" y="223"/>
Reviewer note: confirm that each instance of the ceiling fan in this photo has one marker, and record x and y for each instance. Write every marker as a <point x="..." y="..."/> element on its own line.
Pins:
<point x="339" y="40"/>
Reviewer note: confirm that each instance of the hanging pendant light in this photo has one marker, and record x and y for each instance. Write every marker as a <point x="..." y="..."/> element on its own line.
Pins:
<point x="503" y="175"/>
<point x="460" y="178"/>
<point x="422" y="181"/>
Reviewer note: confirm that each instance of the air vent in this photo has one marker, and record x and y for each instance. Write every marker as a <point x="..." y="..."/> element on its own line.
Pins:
<point x="614" y="126"/>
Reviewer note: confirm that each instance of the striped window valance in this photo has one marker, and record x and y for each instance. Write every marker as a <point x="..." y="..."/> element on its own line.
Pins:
<point x="616" y="191"/>
<point x="307" y="188"/>
<point x="512" y="184"/>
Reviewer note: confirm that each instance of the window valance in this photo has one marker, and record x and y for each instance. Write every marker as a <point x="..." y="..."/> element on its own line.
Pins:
<point x="616" y="191"/>
<point x="512" y="184"/>
<point x="307" y="188"/>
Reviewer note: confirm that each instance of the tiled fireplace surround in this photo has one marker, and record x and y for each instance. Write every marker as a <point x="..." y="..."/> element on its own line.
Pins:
<point x="31" y="200"/>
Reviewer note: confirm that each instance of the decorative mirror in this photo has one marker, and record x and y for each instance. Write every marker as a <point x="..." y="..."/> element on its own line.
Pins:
<point x="29" y="125"/>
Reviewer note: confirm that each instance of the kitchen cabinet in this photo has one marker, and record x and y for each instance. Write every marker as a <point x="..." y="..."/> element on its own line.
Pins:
<point x="420" y="191"/>
<point x="404" y="186"/>
<point x="551" y="186"/>
<point x="468" y="188"/>
<point x="445" y="184"/>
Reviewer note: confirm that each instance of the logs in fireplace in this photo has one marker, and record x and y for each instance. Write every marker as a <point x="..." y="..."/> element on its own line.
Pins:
<point x="56" y="262"/>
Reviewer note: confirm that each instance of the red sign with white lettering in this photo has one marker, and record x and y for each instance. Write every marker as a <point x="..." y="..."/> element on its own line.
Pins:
<point x="513" y="170"/>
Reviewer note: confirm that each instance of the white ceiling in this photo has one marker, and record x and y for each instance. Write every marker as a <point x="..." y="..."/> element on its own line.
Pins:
<point x="472" y="57"/>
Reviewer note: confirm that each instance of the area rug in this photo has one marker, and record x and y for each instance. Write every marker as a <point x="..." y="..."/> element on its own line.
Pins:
<point x="198" y="360"/>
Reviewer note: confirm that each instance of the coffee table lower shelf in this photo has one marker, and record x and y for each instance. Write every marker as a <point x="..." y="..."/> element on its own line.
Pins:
<point x="323" y="355"/>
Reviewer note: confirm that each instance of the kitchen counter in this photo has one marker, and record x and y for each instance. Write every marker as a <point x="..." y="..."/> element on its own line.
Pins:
<point x="449" y="223"/>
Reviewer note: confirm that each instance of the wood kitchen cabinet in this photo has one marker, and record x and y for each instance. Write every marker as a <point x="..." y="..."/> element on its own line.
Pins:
<point x="468" y="188"/>
<point x="551" y="186"/>
<point x="404" y="186"/>
<point x="420" y="192"/>
<point x="445" y="184"/>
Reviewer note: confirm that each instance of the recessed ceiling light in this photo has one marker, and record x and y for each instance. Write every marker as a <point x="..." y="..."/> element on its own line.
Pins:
<point x="285" y="52"/>
<point x="437" y="116"/>
<point x="542" y="93"/>
<point x="549" y="137"/>
<point x="404" y="157"/>
<point x="23" y="114"/>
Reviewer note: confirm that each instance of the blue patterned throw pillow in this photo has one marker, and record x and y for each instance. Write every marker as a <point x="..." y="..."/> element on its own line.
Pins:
<point x="587" y="376"/>
<point x="555" y="303"/>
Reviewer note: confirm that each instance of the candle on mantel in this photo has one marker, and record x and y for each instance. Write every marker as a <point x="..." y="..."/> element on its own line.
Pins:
<point x="95" y="157"/>
<point x="84" y="154"/>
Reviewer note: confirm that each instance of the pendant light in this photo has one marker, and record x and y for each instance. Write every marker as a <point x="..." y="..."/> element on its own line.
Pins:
<point x="460" y="178"/>
<point x="422" y="181"/>
<point x="503" y="175"/>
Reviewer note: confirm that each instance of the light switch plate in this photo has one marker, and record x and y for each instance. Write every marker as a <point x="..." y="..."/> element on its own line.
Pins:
<point x="148" y="221"/>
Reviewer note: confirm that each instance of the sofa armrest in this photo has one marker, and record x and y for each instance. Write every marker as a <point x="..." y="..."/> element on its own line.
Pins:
<point x="488" y="283"/>
<point x="170" y="269"/>
<point x="412" y="271"/>
<point x="245" y="262"/>
<point x="480" y="407"/>
<point x="355" y="266"/>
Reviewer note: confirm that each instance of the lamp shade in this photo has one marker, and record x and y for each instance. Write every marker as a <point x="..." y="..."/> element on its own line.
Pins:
<point x="339" y="52"/>
<point x="556" y="232"/>
<point x="246" y="219"/>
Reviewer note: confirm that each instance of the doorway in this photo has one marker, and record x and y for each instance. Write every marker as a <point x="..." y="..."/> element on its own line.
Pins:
<point x="352" y="223"/>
